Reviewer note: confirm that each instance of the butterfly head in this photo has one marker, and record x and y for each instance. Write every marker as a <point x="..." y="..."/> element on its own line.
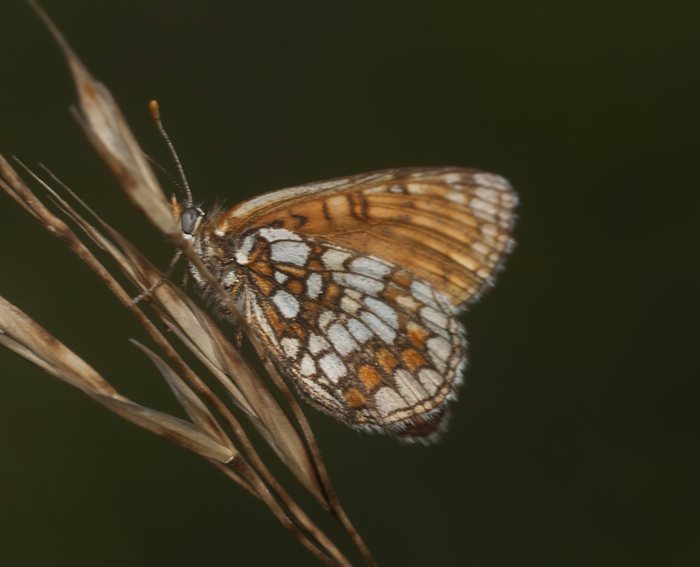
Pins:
<point x="189" y="216"/>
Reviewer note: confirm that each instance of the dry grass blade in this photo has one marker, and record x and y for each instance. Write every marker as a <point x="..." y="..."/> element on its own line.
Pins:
<point x="31" y="341"/>
<point x="195" y="408"/>
<point x="112" y="137"/>
<point x="277" y="428"/>
<point x="24" y="336"/>
<point x="182" y="432"/>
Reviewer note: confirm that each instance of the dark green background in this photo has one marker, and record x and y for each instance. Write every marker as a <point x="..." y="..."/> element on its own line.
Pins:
<point x="575" y="438"/>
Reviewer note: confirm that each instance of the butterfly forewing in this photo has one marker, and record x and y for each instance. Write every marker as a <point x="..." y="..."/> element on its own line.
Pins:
<point x="448" y="226"/>
<point x="353" y="285"/>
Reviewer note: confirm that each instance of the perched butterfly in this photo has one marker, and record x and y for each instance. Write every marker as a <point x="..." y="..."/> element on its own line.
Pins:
<point x="354" y="285"/>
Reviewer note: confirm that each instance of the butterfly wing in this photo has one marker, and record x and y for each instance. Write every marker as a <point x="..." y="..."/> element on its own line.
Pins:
<point x="451" y="227"/>
<point x="364" y="340"/>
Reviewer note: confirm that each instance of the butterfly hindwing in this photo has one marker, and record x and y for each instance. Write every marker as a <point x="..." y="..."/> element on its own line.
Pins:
<point x="363" y="339"/>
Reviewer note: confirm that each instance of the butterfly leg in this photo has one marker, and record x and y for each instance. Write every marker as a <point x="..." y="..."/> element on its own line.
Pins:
<point x="147" y="293"/>
<point x="238" y="337"/>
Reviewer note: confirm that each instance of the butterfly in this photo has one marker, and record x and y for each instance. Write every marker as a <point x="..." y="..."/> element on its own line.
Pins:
<point x="354" y="286"/>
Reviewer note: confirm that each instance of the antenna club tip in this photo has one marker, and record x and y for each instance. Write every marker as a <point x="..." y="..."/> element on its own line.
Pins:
<point x="154" y="107"/>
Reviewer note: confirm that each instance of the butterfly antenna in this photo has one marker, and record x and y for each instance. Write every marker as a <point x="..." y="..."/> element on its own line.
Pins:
<point x="155" y="114"/>
<point x="164" y="171"/>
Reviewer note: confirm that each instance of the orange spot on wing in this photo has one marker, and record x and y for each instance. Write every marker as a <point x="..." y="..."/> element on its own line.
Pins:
<point x="417" y="335"/>
<point x="294" y="271"/>
<point x="394" y="295"/>
<point x="295" y="287"/>
<point x="266" y="285"/>
<point x="273" y="318"/>
<point x="310" y="311"/>
<point x="369" y="376"/>
<point x="315" y="266"/>
<point x="391" y="292"/>
<point x="402" y="279"/>
<point x="259" y="255"/>
<point x="333" y="291"/>
<point x="299" y="331"/>
<point x="355" y="398"/>
<point x="413" y="359"/>
<point x="262" y="268"/>
<point x="386" y="360"/>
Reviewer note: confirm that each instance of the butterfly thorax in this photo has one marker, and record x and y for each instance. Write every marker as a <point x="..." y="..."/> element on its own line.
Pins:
<point x="219" y="254"/>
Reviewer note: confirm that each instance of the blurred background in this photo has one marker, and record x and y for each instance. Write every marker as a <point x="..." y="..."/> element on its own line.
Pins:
<point x="575" y="439"/>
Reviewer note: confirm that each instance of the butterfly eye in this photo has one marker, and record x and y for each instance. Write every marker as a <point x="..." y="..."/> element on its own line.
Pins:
<point x="189" y="220"/>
